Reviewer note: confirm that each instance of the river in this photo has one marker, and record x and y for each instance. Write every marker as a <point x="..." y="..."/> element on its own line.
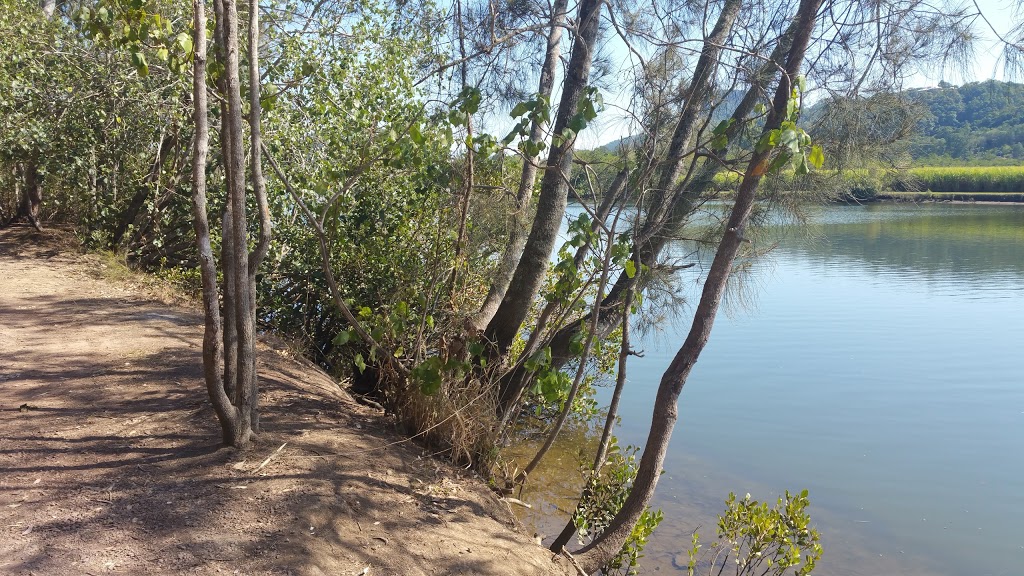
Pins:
<point x="872" y="357"/>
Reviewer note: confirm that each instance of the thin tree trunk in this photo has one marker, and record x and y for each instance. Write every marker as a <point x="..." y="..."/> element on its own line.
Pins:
<point x="667" y="196"/>
<point x="233" y="390"/>
<point x="212" y="336"/>
<point x="237" y="227"/>
<point x="605" y="546"/>
<point x="684" y="200"/>
<point x="518" y="226"/>
<point x="697" y="94"/>
<point x="167" y="143"/>
<point x="259" y="185"/>
<point x="532" y="268"/>
<point x="511" y="387"/>
<point x="31" y="194"/>
<point x="469" y="175"/>
<point x="581" y="369"/>
<point x="227" y="237"/>
<point x="609" y="423"/>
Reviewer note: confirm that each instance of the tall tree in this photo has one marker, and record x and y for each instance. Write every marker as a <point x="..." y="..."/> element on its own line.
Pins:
<point x="519" y="225"/>
<point x="229" y="352"/>
<point x="532" y="268"/>
<point x="666" y="410"/>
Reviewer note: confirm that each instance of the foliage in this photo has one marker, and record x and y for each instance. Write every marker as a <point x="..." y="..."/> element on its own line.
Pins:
<point x="755" y="539"/>
<point x="358" y="146"/>
<point x="111" y="159"/>
<point x="967" y="179"/>
<point x="969" y="122"/>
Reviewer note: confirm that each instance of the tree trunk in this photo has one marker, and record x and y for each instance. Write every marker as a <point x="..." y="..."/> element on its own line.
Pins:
<point x="696" y="95"/>
<point x="259" y="185"/>
<point x="684" y="201"/>
<point x="609" y="423"/>
<point x="597" y="553"/>
<point x="518" y="226"/>
<point x="533" y="265"/>
<point x="666" y="197"/>
<point x="511" y="387"/>
<point x="167" y="144"/>
<point x="31" y="194"/>
<point x="469" y="175"/>
<point x="229" y="360"/>
<point x="237" y="264"/>
<point x="212" y="351"/>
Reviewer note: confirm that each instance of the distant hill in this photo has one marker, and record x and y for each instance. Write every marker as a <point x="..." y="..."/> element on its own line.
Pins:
<point x="980" y="121"/>
<point x="977" y="123"/>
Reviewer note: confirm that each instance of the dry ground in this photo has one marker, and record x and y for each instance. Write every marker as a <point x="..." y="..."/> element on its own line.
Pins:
<point x="110" y="463"/>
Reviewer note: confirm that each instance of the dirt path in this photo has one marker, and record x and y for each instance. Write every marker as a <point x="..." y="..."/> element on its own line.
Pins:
<point x="109" y="461"/>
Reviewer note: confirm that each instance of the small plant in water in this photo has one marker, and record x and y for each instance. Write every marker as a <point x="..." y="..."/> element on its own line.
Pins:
<point x="755" y="540"/>
<point x="603" y="496"/>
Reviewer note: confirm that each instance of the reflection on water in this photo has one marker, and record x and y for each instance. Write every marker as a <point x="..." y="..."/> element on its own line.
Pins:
<point x="880" y="369"/>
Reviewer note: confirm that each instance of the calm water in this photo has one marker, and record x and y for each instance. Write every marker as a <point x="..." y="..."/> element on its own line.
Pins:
<point x="874" y="358"/>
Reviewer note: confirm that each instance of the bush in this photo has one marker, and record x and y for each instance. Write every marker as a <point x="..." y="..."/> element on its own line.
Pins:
<point x="758" y="540"/>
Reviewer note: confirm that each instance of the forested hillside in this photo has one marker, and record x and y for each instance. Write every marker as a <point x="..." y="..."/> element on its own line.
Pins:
<point x="977" y="123"/>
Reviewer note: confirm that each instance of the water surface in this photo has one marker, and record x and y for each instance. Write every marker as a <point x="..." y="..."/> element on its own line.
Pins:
<point x="873" y="357"/>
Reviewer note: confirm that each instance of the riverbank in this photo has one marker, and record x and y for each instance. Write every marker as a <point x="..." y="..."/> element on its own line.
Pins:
<point x="110" y="459"/>
<point x="975" y="197"/>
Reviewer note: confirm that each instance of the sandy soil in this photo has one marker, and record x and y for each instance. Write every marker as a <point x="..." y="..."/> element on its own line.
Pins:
<point x="110" y="463"/>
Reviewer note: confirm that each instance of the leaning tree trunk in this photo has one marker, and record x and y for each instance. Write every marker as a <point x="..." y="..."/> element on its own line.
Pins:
<point x="532" y="268"/>
<point x="684" y="200"/>
<point x="605" y="546"/>
<point x="518" y="227"/>
<point x="668" y="195"/>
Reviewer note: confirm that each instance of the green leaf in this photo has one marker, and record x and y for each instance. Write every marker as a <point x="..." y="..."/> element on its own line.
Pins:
<point x="343" y="338"/>
<point x="359" y="362"/>
<point x="791" y="139"/>
<point x="801" y="166"/>
<point x="767" y="141"/>
<point x="519" y="110"/>
<point x="428" y="374"/>
<point x="780" y="160"/>
<point x="722" y="127"/>
<point x="415" y="133"/>
<point x="630" y="268"/>
<point x="817" y="157"/>
<point x="139" y="61"/>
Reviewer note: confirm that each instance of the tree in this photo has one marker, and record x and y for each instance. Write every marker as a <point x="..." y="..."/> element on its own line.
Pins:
<point x="532" y="267"/>
<point x="598" y="552"/>
<point x="229" y="351"/>
<point x="519" y="225"/>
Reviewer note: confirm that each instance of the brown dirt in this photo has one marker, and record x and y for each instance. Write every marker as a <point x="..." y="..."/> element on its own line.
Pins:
<point x="110" y="463"/>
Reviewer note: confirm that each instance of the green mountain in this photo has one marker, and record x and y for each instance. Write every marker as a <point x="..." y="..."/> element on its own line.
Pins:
<point x="980" y="122"/>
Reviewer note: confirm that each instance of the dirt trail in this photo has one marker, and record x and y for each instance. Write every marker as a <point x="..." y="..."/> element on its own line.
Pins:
<point x="109" y="461"/>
